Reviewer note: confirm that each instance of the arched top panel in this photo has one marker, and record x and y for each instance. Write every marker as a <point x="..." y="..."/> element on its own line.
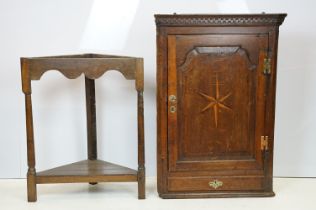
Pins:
<point x="218" y="51"/>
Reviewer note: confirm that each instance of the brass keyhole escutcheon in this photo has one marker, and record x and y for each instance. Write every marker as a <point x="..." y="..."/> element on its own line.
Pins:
<point x="173" y="109"/>
<point x="215" y="184"/>
<point x="172" y="98"/>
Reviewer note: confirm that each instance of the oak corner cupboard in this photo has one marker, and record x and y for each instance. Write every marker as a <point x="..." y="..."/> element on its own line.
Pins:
<point x="216" y="79"/>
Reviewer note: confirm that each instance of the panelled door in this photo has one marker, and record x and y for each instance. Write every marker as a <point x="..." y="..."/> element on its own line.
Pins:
<point x="216" y="105"/>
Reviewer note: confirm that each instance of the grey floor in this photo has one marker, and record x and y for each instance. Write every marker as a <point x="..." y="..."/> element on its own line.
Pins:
<point x="291" y="193"/>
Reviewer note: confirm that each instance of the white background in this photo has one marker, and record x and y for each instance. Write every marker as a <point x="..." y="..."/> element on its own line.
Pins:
<point x="43" y="27"/>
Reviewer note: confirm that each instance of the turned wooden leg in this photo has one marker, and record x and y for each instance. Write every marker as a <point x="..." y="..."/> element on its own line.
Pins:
<point x="141" y="183"/>
<point x="31" y="174"/>
<point x="91" y="120"/>
<point x="141" y="147"/>
<point x="31" y="185"/>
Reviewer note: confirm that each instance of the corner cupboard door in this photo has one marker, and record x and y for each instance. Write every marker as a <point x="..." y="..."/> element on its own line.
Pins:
<point x="216" y="101"/>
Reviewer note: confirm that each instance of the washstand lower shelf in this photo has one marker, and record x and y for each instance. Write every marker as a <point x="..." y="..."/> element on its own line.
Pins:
<point x="87" y="171"/>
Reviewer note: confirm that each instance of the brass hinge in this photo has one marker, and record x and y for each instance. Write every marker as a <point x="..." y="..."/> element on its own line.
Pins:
<point x="267" y="66"/>
<point x="264" y="143"/>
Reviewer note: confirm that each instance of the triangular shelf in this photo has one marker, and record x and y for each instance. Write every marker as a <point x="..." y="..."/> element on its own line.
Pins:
<point x="87" y="171"/>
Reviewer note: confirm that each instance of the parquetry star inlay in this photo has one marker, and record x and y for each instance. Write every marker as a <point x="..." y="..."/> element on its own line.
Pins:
<point x="216" y="103"/>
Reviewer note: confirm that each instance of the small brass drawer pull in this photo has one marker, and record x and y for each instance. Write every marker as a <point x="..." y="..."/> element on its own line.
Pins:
<point x="173" y="109"/>
<point x="215" y="184"/>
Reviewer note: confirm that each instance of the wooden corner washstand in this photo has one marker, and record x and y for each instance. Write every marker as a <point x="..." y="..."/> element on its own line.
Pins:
<point x="91" y="170"/>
